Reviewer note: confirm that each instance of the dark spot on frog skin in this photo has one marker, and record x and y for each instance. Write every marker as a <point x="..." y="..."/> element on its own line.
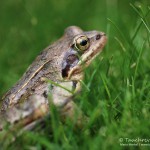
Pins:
<point x="21" y="95"/>
<point x="16" y="121"/>
<point x="74" y="85"/>
<point x="45" y="94"/>
<point x="69" y="62"/>
<point x="33" y="90"/>
<point x="65" y="71"/>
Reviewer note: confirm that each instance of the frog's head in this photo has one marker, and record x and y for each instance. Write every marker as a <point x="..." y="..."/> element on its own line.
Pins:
<point x="84" y="47"/>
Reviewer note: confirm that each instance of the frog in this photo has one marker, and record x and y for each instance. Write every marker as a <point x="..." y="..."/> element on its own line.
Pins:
<point x="56" y="71"/>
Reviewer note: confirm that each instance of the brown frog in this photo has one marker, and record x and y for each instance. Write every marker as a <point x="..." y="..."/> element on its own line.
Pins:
<point x="62" y="63"/>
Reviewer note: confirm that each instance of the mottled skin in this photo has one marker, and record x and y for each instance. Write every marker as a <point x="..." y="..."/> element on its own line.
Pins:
<point x="60" y="62"/>
<point x="47" y="64"/>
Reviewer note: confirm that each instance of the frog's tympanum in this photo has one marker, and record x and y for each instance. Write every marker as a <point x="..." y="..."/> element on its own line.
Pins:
<point x="62" y="63"/>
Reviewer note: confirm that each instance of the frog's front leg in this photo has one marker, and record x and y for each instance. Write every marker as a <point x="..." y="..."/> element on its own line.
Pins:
<point x="64" y="100"/>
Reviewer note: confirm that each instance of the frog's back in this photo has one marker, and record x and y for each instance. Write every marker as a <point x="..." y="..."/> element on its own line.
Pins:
<point x="25" y="82"/>
<point x="30" y="78"/>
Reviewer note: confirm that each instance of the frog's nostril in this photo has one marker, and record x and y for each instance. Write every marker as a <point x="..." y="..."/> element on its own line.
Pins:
<point x="98" y="36"/>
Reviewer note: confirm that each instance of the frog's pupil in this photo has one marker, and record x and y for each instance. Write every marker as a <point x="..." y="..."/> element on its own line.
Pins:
<point x="83" y="42"/>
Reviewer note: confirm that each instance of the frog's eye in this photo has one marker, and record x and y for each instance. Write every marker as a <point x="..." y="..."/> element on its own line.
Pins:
<point x="82" y="43"/>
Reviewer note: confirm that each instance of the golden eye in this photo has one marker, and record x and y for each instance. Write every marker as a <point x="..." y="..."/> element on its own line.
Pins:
<point x="82" y="43"/>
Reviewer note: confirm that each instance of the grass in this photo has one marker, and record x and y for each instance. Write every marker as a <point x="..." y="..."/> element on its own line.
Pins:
<point x="117" y="101"/>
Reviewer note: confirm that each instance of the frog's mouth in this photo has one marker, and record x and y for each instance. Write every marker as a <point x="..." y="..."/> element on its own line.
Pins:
<point x="75" y="72"/>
